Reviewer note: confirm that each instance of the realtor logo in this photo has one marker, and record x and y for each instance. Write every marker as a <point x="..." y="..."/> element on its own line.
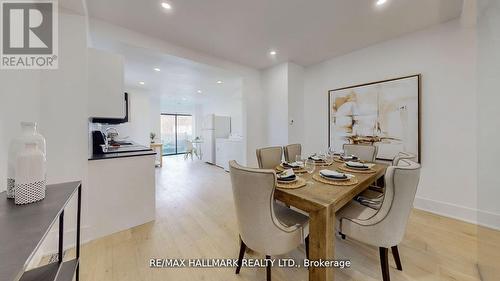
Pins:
<point x="29" y="35"/>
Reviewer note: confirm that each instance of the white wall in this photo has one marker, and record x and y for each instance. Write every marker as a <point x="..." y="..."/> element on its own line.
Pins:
<point x="488" y="122"/>
<point x="445" y="56"/>
<point x="57" y="100"/>
<point x="275" y="109"/>
<point x="295" y="103"/>
<point x="283" y="87"/>
<point x="20" y="101"/>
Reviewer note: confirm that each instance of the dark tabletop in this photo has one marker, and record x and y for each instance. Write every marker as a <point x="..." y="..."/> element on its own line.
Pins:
<point x="24" y="227"/>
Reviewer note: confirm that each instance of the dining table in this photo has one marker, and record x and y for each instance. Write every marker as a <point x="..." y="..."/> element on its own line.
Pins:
<point x="322" y="201"/>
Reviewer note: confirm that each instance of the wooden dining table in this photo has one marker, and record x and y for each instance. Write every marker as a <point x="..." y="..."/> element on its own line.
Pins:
<point x="322" y="201"/>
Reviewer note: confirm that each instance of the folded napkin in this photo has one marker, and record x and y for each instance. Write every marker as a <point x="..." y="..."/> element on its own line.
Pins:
<point x="293" y="164"/>
<point x="349" y="157"/>
<point x="286" y="175"/>
<point x="332" y="174"/>
<point x="357" y="165"/>
<point x="315" y="158"/>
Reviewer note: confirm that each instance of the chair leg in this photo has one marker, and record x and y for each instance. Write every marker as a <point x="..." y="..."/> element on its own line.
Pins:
<point x="395" y="254"/>
<point x="384" y="263"/>
<point x="306" y="242"/>
<point x="342" y="235"/>
<point x="268" y="269"/>
<point x="240" y="256"/>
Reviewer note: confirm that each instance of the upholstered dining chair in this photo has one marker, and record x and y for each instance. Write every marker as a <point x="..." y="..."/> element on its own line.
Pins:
<point x="269" y="157"/>
<point x="403" y="155"/>
<point x="374" y="196"/>
<point x="265" y="226"/>
<point x="190" y="150"/>
<point x="384" y="228"/>
<point x="291" y="152"/>
<point x="364" y="152"/>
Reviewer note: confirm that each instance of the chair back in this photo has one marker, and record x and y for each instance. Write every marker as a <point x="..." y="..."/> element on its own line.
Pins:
<point x="401" y="184"/>
<point x="269" y="157"/>
<point x="189" y="145"/>
<point x="253" y="191"/>
<point x="364" y="152"/>
<point x="403" y="155"/>
<point x="291" y="151"/>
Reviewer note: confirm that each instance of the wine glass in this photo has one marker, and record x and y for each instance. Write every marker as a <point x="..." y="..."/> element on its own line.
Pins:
<point x="299" y="160"/>
<point x="309" y="166"/>
<point x="331" y="150"/>
<point x="329" y="159"/>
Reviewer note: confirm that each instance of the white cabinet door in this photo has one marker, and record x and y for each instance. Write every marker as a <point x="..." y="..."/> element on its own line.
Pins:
<point x="106" y="80"/>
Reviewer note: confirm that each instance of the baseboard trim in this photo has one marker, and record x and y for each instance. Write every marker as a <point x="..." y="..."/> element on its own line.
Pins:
<point x="470" y="215"/>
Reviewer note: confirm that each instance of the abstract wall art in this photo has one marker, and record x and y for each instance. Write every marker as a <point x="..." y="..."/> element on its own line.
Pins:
<point x="384" y="113"/>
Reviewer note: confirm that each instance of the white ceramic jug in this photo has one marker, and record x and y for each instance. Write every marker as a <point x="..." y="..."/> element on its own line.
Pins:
<point x="29" y="134"/>
<point x="30" y="174"/>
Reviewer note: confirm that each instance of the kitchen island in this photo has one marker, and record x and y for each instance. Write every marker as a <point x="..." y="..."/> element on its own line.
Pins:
<point x="122" y="190"/>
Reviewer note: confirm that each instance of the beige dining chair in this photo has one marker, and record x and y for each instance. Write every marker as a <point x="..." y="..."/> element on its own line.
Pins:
<point x="269" y="157"/>
<point x="265" y="226"/>
<point x="364" y="152"/>
<point x="190" y="150"/>
<point x="291" y="152"/>
<point x="384" y="228"/>
<point x="373" y="197"/>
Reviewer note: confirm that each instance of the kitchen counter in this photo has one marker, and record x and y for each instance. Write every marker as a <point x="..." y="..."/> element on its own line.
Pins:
<point x="121" y="188"/>
<point x="121" y="155"/>
<point x="123" y="151"/>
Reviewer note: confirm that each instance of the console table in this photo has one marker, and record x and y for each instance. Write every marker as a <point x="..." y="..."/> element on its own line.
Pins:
<point x="23" y="229"/>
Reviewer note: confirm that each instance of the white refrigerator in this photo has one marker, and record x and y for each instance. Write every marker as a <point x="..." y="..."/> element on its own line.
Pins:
<point x="213" y="127"/>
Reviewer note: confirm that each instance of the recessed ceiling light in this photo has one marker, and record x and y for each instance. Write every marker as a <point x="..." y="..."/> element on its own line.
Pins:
<point x="273" y="53"/>
<point x="380" y="2"/>
<point x="166" y="6"/>
<point x="199" y="91"/>
<point x="142" y="82"/>
<point x="183" y="98"/>
<point x="157" y="69"/>
<point x="219" y="82"/>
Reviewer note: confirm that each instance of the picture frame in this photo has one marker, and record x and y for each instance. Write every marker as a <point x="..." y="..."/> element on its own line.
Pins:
<point x="384" y="113"/>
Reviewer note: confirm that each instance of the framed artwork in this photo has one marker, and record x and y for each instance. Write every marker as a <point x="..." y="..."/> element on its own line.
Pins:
<point x="384" y="113"/>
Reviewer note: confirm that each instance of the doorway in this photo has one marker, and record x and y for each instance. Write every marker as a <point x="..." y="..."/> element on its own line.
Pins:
<point x="176" y="131"/>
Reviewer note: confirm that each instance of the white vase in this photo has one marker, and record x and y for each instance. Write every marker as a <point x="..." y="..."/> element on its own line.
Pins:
<point x="30" y="174"/>
<point x="29" y="134"/>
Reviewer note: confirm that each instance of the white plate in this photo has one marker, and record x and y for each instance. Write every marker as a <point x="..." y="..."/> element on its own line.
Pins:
<point x="292" y="181"/>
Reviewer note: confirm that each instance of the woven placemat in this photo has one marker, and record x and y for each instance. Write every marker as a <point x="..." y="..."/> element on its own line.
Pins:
<point x="322" y="164"/>
<point x="297" y="171"/>
<point x="300" y="182"/>
<point x="346" y="169"/>
<point x="351" y="181"/>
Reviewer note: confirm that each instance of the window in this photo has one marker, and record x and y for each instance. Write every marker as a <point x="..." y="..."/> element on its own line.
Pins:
<point x="176" y="131"/>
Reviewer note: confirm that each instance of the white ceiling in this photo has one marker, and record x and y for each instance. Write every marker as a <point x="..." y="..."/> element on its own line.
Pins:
<point x="304" y="32"/>
<point x="178" y="80"/>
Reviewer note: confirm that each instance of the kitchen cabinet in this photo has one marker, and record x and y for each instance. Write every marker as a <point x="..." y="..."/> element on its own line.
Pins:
<point x="227" y="150"/>
<point x="106" y="84"/>
<point x="122" y="193"/>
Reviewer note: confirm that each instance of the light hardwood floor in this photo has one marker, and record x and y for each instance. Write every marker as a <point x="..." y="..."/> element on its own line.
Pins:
<point x="195" y="219"/>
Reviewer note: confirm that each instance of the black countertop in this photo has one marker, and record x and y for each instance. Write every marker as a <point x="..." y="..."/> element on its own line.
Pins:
<point x="121" y="155"/>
